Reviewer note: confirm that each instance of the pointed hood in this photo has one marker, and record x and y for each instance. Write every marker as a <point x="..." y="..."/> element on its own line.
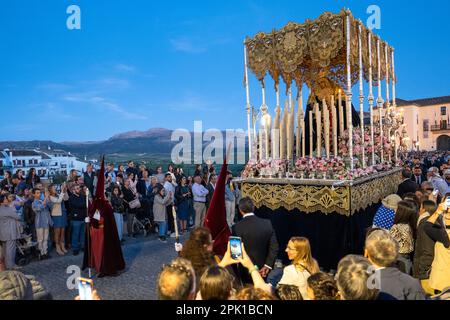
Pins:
<point x="100" y="191"/>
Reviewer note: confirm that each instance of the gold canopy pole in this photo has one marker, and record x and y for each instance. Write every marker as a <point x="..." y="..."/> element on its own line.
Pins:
<point x="388" y="104"/>
<point x="248" y="106"/>
<point x="394" y="81"/>
<point x="264" y="131"/>
<point x="371" y="98"/>
<point x="361" y="97"/>
<point x="348" y="97"/>
<point x="394" y="102"/>
<point x="380" y="102"/>
<point x="298" y="151"/>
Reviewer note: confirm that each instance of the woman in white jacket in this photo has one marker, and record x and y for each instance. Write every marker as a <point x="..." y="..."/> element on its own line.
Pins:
<point x="302" y="267"/>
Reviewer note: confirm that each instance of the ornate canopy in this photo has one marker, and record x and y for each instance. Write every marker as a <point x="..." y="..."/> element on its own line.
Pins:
<point x="315" y="53"/>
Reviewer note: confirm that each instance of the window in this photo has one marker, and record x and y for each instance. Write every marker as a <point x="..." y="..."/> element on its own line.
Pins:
<point x="1" y="163"/>
<point x="426" y="128"/>
<point x="30" y="161"/>
<point x="444" y="125"/>
<point x="443" y="111"/>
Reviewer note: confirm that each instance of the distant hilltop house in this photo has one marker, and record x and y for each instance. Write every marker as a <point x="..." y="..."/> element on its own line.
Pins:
<point x="47" y="163"/>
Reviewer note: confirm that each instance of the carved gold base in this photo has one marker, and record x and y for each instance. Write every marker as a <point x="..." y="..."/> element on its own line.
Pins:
<point x="344" y="198"/>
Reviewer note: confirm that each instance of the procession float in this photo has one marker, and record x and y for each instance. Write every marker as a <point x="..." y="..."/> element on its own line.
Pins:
<point x="323" y="165"/>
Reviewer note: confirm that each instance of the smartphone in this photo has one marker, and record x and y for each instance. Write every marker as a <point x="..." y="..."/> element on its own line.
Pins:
<point x="236" y="247"/>
<point x="85" y="288"/>
<point x="435" y="193"/>
<point x="447" y="203"/>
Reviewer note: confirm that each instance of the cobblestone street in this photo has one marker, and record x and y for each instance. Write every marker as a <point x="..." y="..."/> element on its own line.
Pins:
<point x="144" y="258"/>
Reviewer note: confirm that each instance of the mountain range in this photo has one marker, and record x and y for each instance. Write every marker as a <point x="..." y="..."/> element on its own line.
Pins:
<point x="153" y="143"/>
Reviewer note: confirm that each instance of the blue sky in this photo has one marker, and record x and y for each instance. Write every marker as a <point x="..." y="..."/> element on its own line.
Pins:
<point x="139" y="64"/>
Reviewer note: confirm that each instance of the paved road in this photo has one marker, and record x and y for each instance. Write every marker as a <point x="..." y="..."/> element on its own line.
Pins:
<point x="144" y="258"/>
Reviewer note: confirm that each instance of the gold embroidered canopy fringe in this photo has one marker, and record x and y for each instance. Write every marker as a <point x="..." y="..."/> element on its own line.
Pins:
<point x="315" y="52"/>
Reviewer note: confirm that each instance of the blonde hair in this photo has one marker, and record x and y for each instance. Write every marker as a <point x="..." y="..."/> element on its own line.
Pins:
<point x="382" y="248"/>
<point x="304" y="259"/>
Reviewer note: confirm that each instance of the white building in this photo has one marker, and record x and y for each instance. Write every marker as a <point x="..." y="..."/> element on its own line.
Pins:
<point x="46" y="163"/>
<point x="427" y="123"/>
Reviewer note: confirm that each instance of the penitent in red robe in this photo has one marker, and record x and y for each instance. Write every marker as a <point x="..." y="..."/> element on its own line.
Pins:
<point x="103" y="251"/>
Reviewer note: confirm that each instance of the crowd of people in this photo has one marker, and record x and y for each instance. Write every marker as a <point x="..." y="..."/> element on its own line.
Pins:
<point x="54" y="215"/>
<point x="406" y="254"/>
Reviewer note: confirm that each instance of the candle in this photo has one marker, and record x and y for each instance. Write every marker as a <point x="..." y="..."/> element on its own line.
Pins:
<point x="333" y="115"/>
<point x="276" y="134"/>
<point x="261" y="143"/>
<point x="326" y="122"/>
<point x="341" y="114"/>
<point x="283" y="132"/>
<point x="319" y="130"/>
<point x="267" y="126"/>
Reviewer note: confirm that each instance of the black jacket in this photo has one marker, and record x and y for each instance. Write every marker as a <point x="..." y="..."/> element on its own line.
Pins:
<point x="407" y="186"/>
<point x="424" y="253"/>
<point x="78" y="207"/>
<point x="89" y="181"/>
<point x="259" y="240"/>
<point x="141" y="188"/>
<point x="423" y="178"/>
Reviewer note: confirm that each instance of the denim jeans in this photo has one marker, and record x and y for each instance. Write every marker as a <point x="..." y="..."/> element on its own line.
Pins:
<point x="162" y="226"/>
<point x="119" y="223"/>
<point x="78" y="232"/>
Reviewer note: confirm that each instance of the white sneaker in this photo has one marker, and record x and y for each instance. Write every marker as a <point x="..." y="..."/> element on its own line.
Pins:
<point x="173" y="235"/>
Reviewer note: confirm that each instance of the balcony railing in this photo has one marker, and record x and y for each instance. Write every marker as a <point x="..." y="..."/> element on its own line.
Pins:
<point x="440" y="127"/>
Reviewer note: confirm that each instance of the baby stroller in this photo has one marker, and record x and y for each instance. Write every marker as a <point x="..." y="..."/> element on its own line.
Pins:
<point x="142" y="223"/>
<point x="25" y="250"/>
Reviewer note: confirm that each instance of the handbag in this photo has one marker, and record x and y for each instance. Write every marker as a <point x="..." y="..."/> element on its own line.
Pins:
<point x="134" y="204"/>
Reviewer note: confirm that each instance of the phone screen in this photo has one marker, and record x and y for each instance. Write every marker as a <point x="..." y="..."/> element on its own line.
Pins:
<point x="236" y="247"/>
<point x="447" y="202"/>
<point x="85" y="289"/>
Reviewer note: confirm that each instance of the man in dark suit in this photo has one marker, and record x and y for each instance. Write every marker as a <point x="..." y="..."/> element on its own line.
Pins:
<point x="407" y="185"/>
<point x="211" y="186"/>
<point x="418" y="176"/>
<point x="258" y="237"/>
<point x="89" y="178"/>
